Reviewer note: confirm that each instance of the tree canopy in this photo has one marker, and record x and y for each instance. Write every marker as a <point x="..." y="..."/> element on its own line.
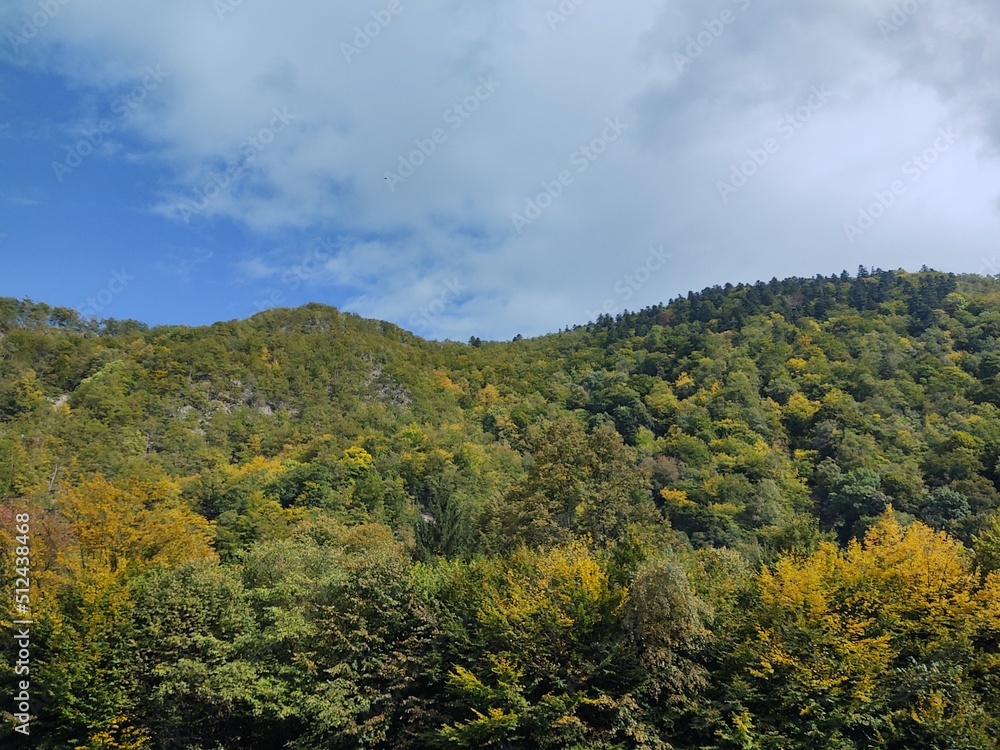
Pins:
<point x="759" y="516"/>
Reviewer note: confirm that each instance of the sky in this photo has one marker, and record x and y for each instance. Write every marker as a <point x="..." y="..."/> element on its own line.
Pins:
<point x="485" y="169"/>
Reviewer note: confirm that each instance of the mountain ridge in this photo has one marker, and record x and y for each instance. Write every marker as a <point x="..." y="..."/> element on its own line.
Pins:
<point x="29" y="312"/>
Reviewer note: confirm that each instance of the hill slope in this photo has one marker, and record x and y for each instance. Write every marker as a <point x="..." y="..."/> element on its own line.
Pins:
<point x="307" y="529"/>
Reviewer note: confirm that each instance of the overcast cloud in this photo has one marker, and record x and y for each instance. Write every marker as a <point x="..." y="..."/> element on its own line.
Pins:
<point x="512" y="166"/>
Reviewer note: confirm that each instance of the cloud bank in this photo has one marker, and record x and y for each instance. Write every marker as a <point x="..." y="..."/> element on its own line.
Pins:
<point x="517" y="166"/>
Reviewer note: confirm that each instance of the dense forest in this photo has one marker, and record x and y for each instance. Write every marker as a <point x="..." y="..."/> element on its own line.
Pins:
<point x="760" y="516"/>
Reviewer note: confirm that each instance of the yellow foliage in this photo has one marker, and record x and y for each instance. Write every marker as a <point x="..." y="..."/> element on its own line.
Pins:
<point x="488" y="396"/>
<point x="661" y="401"/>
<point x="502" y="703"/>
<point x="704" y="396"/>
<point x="744" y="730"/>
<point x="439" y="457"/>
<point x="265" y="469"/>
<point x="507" y="428"/>
<point x="811" y="638"/>
<point x="268" y="360"/>
<point x="442" y="380"/>
<point x="800" y="407"/>
<point x="134" y="522"/>
<point x="684" y="381"/>
<point x="558" y="587"/>
<point x="28" y="391"/>
<point x="835" y="621"/>
<point x="675" y="497"/>
<point x="357" y="459"/>
<point x="465" y="681"/>
<point x="120" y="736"/>
<point x="797" y="364"/>
<point x="988" y="599"/>
<point x="924" y="579"/>
<point x="255" y="444"/>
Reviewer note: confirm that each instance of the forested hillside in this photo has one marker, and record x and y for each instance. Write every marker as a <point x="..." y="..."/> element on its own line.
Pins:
<point x="761" y="516"/>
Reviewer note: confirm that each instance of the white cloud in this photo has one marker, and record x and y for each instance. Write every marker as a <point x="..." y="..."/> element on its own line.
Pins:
<point x="657" y="186"/>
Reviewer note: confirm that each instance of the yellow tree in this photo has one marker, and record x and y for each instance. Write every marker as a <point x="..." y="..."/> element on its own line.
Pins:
<point x="886" y="643"/>
<point x="116" y="531"/>
<point x="136" y="521"/>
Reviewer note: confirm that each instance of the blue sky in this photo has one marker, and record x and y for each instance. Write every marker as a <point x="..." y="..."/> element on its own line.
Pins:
<point x="463" y="170"/>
